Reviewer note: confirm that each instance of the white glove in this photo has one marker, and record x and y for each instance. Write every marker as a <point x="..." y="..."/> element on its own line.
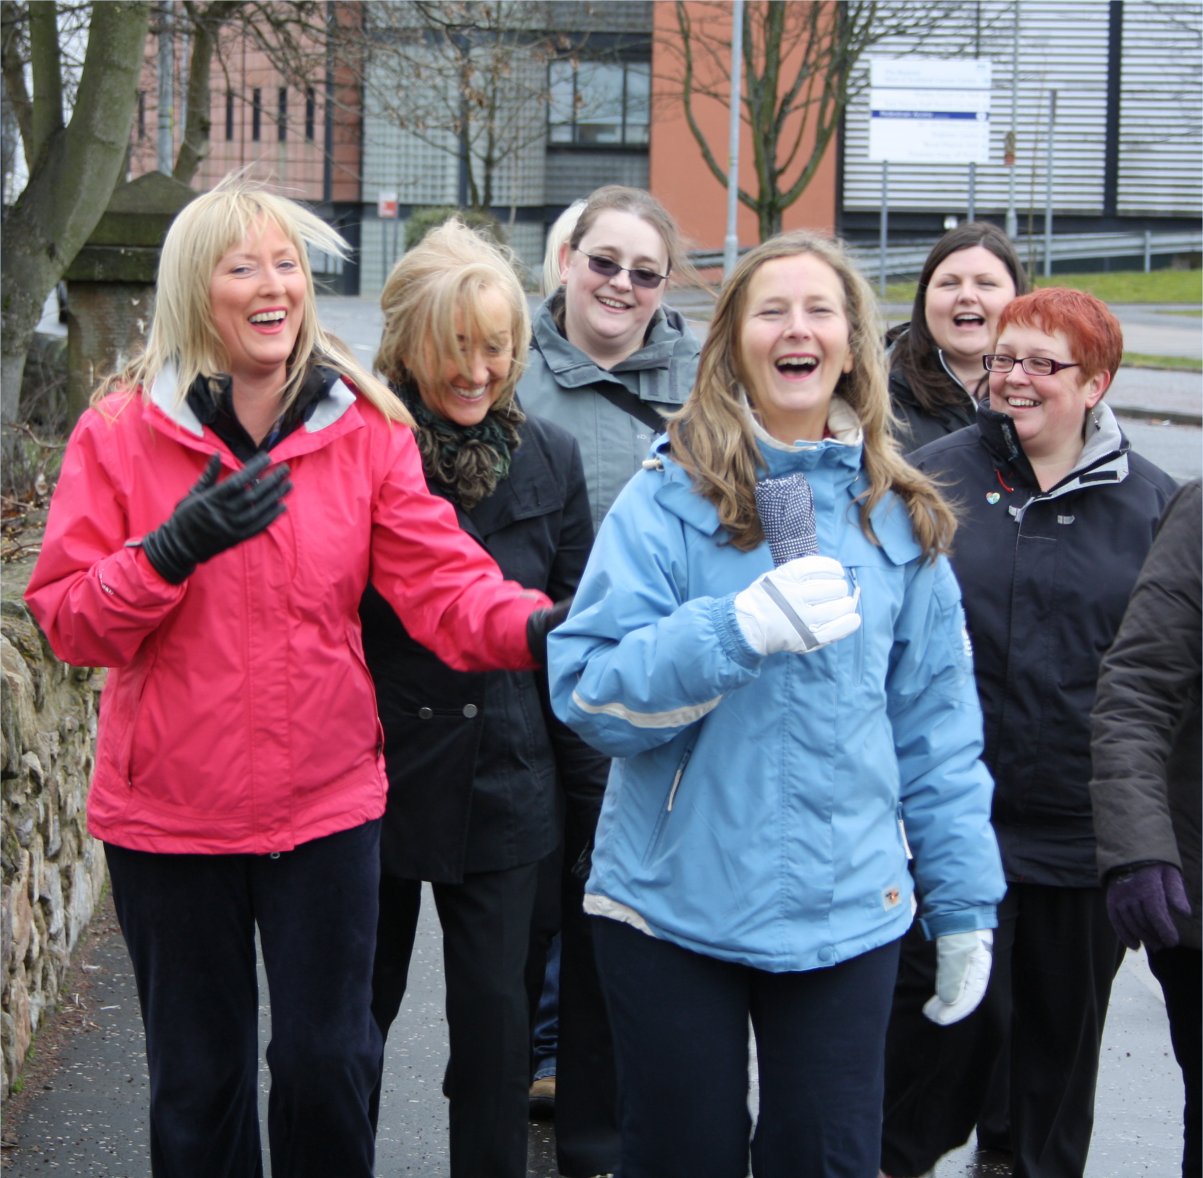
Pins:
<point x="962" y="973"/>
<point x="799" y="606"/>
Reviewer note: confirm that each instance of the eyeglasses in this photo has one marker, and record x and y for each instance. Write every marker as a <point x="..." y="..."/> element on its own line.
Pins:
<point x="609" y="268"/>
<point x="1032" y="365"/>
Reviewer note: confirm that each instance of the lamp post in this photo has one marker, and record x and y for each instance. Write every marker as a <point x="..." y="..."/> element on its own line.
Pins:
<point x="731" y="241"/>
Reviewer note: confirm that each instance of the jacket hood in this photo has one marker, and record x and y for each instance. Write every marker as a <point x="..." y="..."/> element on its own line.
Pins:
<point x="670" y="345"/>
<point x="839" y="456"/>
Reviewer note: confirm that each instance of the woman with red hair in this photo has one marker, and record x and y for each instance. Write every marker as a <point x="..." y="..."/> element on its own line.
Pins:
<point x="1057" y="514"/>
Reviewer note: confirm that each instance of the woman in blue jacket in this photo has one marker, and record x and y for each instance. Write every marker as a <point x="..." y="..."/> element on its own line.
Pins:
<point x="770" y="642"/>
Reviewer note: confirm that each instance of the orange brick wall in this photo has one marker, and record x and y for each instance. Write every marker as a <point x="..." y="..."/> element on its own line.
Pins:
<point x="679" y="176"/>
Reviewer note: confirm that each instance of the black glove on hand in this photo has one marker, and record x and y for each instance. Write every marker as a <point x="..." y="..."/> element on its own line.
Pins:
<point x="215" y="516"/>
<point x="540" y="624"/>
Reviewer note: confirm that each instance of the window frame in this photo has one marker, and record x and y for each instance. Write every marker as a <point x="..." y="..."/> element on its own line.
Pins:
<point x="624" y="140"/>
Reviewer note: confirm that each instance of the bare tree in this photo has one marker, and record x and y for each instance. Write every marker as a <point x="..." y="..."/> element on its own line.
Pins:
<point x="293" y="36"/>
<point x="466" y="77"/>
<point x="73" y="165"/>
<point x="798" y="62"/>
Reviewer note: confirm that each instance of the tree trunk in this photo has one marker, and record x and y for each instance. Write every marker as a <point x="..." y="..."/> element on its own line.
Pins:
<point x="69" y="186"/>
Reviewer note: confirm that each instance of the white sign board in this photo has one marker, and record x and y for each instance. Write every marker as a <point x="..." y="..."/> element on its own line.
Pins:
<point x="929" y="110"/>
<point x="386" y="206"/>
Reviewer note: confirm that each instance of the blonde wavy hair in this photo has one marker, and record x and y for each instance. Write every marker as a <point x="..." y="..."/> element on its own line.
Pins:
<point x="712" y="435"/>
<point x="182" y="331"/>
<point x="559" y="233"/>
<point x="443" y="276"/>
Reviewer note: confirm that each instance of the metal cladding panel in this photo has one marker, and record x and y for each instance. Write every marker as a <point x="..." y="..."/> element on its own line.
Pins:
<point x="1063" y="46"/>
<point x="421" y="171"/>
<point x="1161" y="113"/>
<point x="424" y="169"/>
<point x="572" y="175"/>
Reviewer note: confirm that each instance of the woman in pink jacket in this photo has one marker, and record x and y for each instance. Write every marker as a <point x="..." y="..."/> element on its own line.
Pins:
<point x="220" y="510"/>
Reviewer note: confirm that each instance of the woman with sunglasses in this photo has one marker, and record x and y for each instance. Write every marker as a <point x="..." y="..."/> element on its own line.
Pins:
<point x="604" y="345"/>
<point x="1058" y="513"/>
<point x="608" y="361"/>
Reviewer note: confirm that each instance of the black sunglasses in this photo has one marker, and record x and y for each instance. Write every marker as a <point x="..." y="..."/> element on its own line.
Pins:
<point x="608" y="268"/>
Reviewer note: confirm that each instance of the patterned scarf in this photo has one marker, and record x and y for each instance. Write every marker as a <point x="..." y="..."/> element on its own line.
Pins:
<point x="465" y="462"/>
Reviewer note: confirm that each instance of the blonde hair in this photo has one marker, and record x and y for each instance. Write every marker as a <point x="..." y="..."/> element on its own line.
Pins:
<point x="712" y="434"/>
<point x="182" y="331"/>
<point x="556" y="236"/>
<point x="443" y="276"/>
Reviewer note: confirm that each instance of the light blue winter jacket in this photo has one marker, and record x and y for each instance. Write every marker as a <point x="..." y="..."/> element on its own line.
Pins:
<point x="752" y="808"/>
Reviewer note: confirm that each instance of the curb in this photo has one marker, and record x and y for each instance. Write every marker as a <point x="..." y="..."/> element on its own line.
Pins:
<point x="1158" y="416"/>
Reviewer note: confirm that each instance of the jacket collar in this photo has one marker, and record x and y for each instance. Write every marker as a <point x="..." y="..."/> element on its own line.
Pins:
<point x="165" y="396"/>
<point x="1103" y="461"/>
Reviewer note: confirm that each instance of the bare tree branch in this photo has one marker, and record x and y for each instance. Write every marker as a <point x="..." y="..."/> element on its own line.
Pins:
<point x="798" y="65"/>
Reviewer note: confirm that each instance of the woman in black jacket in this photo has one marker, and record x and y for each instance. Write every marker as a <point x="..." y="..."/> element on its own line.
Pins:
<point x="472" y="758"/>
<point x="1057" y="515"/>
<point x="936" y="374"/>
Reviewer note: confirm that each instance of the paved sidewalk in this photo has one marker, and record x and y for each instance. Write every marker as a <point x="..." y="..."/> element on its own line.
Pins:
<point x="84" y="1107"/>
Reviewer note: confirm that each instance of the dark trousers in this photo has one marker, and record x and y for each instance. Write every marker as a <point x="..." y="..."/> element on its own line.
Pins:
<point x="1178" y="971"/>
<point x="680" y="1024"/>
<point x="937" y="1078"/>
<point x="189" y="922"/>
<point x="486" y="928"/>
<point x="588" y="1140"/>
<point x="1058" y="952"/>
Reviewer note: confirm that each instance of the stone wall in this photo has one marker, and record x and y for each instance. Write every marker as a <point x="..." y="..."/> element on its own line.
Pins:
<point x="52" y="870"/>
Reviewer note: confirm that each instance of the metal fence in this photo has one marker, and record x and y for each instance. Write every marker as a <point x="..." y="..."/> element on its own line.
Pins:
<point x="906" y="260"/>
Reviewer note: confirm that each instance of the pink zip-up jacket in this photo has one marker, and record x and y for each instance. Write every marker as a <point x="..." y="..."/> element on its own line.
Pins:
<point x="239" y="715"/>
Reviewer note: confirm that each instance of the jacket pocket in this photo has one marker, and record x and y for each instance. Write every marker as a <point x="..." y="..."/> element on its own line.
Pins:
<point x="121" y="709"/>
<point x="673" y="791"/>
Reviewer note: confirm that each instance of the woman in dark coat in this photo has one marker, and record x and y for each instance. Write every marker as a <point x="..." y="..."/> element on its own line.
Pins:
<point x="936" y="374"/>
<point x="472" y="758"/>
<point x="1147" y="737"/>
<point x="1057" y="515"/>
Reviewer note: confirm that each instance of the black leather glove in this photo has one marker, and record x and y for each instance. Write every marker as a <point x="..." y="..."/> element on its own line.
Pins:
<point x="540" y="624"/>
<point x="215" y="516"/>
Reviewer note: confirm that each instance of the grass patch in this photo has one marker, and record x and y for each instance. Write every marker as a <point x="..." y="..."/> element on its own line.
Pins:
<point x="1173" y="363"/>
<point x="1117" y="286"/>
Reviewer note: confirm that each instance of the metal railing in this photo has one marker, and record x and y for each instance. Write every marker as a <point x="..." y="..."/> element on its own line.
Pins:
<point x="906" y="260"/>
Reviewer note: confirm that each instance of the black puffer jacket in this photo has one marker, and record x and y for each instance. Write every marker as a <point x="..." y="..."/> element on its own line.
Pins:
<point x="918" y="425"/>
<point x="1148" y="777"/>
<point x="1045" y="577"/>
<point x="472" y="757"/>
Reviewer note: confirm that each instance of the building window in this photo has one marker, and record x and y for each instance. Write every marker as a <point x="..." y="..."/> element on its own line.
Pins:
<point x="229" y="116"/>
<point x="141" y="114"/>
<point x="597" y="103"/>
<point x="256" y="113"/>
<point x="310" y="112"/>
<point x="282" y="112"/>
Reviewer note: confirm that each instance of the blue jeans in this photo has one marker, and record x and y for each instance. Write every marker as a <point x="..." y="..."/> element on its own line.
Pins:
<point x="189" y="922"/>
<point x="680" y="1026"/>
<point x="545" y="1036"/>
